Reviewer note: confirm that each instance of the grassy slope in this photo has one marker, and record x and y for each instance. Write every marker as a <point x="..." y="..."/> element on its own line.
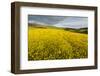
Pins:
<point x="44" y="44"/>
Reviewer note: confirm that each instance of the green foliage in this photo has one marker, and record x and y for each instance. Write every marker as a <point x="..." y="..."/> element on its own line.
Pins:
<point x="49" y="44"/>
<point x="81" y="30"/>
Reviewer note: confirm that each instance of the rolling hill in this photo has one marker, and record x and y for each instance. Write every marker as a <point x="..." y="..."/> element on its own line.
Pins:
<point x="49" y="43"/>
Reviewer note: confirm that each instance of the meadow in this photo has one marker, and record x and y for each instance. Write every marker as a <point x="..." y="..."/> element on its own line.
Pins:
<point x="53" y="43"/>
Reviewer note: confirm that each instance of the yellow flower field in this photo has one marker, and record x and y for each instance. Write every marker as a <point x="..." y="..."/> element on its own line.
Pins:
<point x="52" y="43"/>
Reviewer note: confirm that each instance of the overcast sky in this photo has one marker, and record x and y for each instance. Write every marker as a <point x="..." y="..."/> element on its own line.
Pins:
<point x="59" y="21"/>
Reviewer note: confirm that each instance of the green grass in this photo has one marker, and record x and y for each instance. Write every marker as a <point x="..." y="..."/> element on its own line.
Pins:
<point x="53" y="43"/>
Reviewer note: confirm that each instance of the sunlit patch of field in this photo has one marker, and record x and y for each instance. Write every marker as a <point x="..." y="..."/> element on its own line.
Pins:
<point x="50" y="44"/>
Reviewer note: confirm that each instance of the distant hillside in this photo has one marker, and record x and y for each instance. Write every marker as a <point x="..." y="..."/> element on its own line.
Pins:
<point x="37" y="25"/>
<point x="83" y="30"/>
<point x="79" y="30"/>
<point x="42" y="26"/>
